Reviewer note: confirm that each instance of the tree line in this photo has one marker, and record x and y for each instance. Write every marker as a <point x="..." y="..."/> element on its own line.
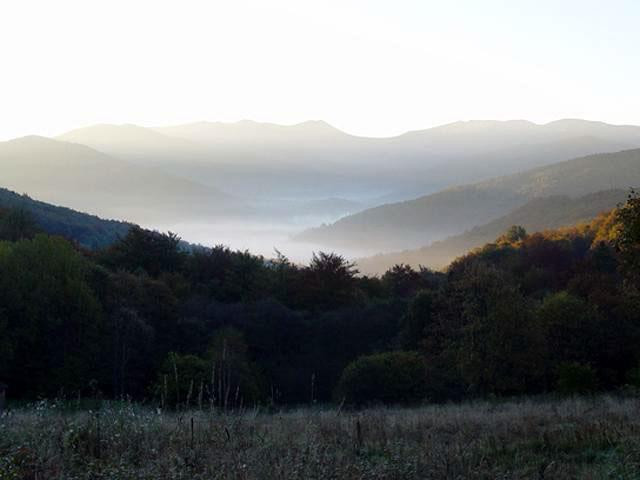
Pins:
<point x="147" y="319"/>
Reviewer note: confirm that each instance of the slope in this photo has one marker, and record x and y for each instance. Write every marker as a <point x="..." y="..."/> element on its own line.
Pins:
<point x="88" y="230"/>
<point x="82" y="178"/>
<point x="537" y="215"/>
<point x="433" y="217"/>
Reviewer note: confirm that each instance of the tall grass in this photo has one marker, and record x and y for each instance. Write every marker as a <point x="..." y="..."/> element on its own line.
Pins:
<point x="573" y="438"/>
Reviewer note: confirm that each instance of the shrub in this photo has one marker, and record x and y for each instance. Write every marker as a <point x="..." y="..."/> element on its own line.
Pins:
<point x="392" y="377"/>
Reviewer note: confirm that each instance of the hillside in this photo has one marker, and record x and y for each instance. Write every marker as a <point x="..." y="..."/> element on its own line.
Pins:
<point x="418" y="222"/>
<point x="314" y="160"/>
<point x="80" y="177"/>
<point x="535" y="216"/>
<point x="88" y="230"/>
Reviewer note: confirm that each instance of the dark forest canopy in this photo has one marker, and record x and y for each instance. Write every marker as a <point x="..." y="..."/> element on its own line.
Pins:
<point x="527" y="313"/>
<point x="87" y="230"/>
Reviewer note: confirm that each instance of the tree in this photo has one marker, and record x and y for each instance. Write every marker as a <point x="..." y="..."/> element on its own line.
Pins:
<point x="501" y="351"/>
<point x="392" y="377"/>
<point x="627" y="240"/>
<point x="235" y="381"/>
<point x="142" y="326"/>
<point x="575" y="378"/>
<point x="52" y="315"/>
<point x="16" y="224"/>
<point x="182" y="380"/>
<point x="415" y="323"/>
<point x="329" y="281"/>
<point x="572" y="331"/>
<point x="130" y="347"/>
<point x="150" y="251"/>
<point x="402" y="280"/>
<point x="514" y="234"/>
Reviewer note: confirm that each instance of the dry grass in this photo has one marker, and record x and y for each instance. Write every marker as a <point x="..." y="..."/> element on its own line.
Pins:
<point x="574" y="438"/>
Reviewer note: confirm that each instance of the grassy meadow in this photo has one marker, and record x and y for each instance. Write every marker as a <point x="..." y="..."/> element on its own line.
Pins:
<point x="582" y="438"/>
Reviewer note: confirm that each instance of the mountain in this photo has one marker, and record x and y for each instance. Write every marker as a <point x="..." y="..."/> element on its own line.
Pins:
<point x="419" y="222"/>
<point x="313" y="160"/>
<point x="80" y="177"/>
<point x="88" y="230"/>
<point x="128" y="140"/>
<point x="536" y="215"/>
<point x="249" y="132"/>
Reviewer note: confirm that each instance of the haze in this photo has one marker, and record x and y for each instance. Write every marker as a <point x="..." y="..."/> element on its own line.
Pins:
<point x="361" y="127"/>
<point x="368" y="67"/>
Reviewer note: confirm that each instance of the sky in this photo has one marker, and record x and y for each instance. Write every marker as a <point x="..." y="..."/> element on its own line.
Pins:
<point x="369" y="67"/>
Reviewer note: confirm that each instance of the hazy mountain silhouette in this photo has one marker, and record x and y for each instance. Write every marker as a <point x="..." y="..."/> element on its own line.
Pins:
<point x="313" y="160"/>
<point x="432" y="217"/>
<point x="128" y="140"/>
<point x="537" y="215"/>
<point x="82" y="178"/>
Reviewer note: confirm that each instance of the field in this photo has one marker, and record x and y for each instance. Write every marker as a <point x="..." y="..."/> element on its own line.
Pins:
<point x="585" y="438"/>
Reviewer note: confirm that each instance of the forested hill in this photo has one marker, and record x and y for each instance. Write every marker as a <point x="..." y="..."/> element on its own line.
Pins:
<point x="526" y="314"/>
<point x="87" y="230"/>
<point x="418" y="222"/>
<point x="535" y="216"/>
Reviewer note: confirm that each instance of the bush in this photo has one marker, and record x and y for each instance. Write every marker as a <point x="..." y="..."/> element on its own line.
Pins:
<point x="574" y="378"/>
<point x="393" y="377"/>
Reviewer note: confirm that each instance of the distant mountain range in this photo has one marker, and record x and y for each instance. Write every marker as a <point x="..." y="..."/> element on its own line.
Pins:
<point x="537" y="215"/>
<point x="80" y="177"/>
<point x="87" y="230"/>
<point x="375" y="194"/>
<point x="313" y="160"/>
<point x="419" y="222"/>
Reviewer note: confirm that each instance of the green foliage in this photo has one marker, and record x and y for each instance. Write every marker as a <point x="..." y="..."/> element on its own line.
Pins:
<point x="16" y="224"/>
<point x="149" y="251"/>
<point x="330" y="282"/>
<point x="499" y="349"/>
<point x="224" y="377"/>
<point x="503" y="320"/>
<point x="401" y="280"/>
<point x="53" y="317"/>
<point x="571" y="326"/>
<point x="235" y="380"/>
<point x="633" y="377"/>
<point x="416" y="322"/>
<point x="182" y="379"/>
<point x="393" y="377"/>
<point x="575" y="378"/>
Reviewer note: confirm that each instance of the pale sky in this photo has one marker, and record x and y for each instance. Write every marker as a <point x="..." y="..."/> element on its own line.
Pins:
<point x="369" y="67"/>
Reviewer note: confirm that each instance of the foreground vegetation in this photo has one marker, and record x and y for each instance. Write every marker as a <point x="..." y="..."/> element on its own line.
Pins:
<point x="586" y="438"/>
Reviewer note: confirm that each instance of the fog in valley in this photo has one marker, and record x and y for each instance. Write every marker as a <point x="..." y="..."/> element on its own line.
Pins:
<point x="310" y="187"/>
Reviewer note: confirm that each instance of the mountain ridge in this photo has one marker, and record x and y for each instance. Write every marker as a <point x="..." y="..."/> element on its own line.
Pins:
<point x="313" y="159"/>
<point x="539" y="214"/>
<point x="428" y="218"/>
